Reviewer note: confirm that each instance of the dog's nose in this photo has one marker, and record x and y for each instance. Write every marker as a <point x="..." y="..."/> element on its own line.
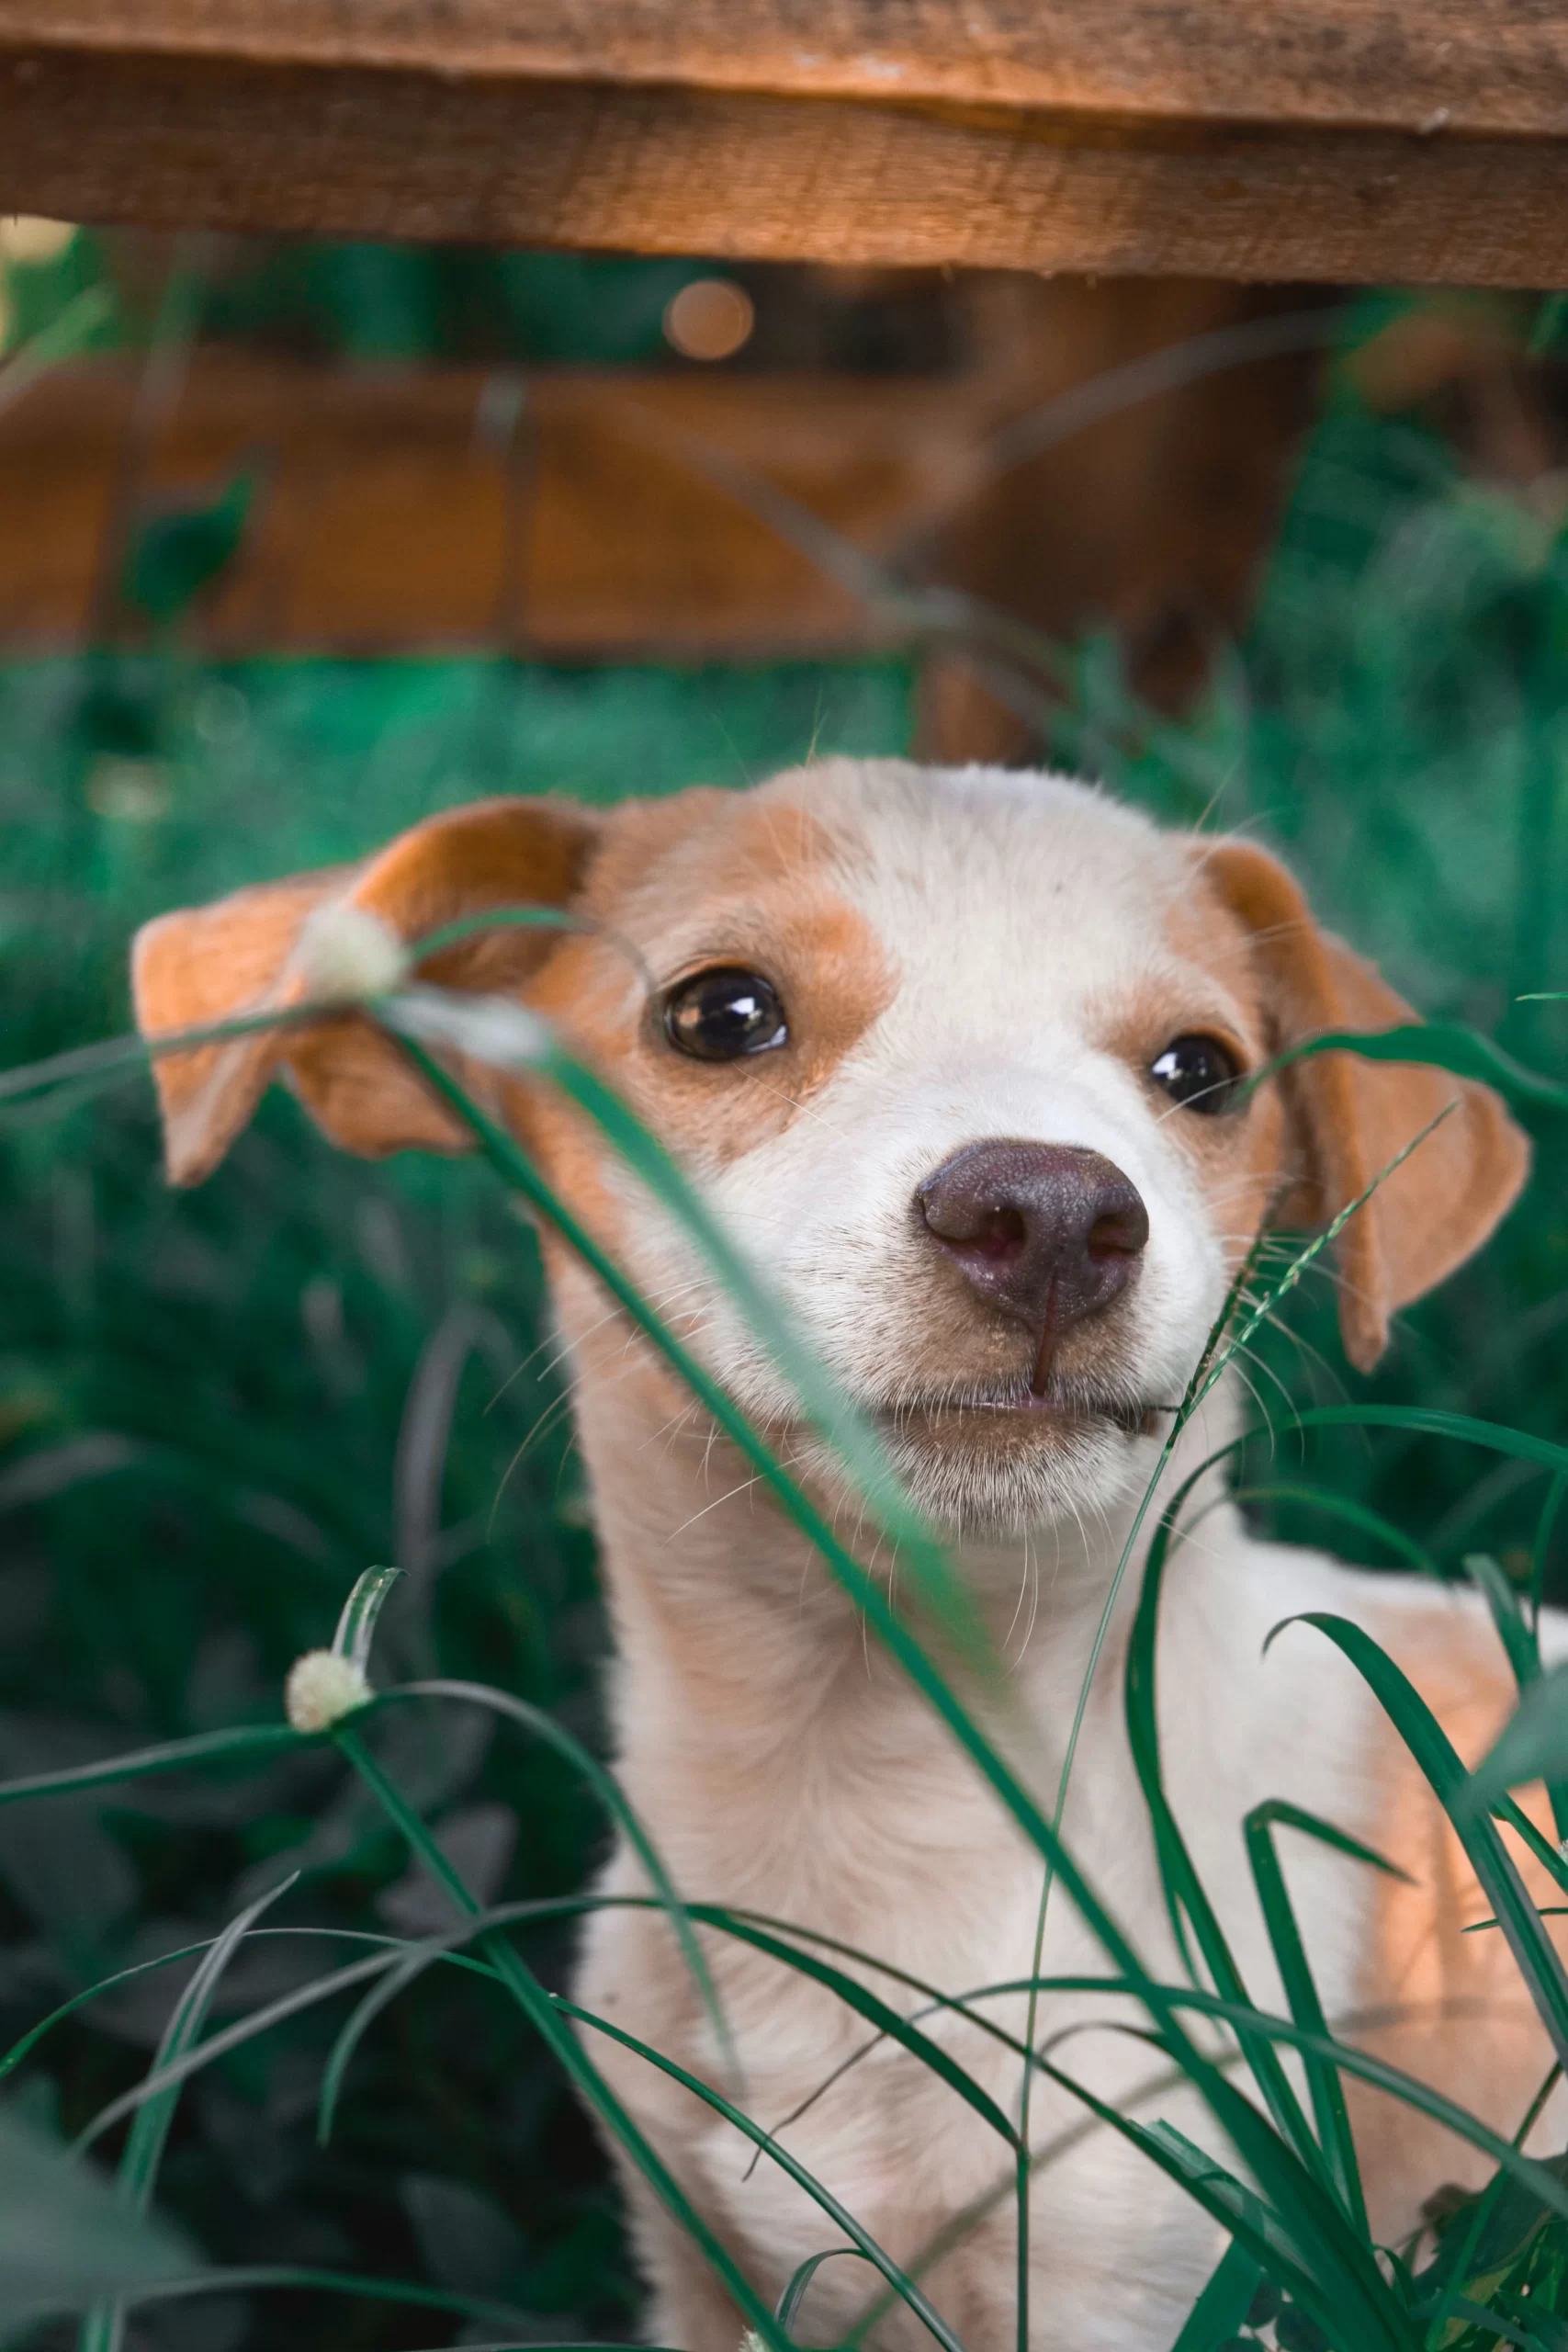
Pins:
<point x="1050" y="1233"/>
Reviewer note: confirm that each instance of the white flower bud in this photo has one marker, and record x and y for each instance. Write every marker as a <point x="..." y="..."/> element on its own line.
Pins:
<point x="322" y="1688"/>
<point x="346" y="952"/>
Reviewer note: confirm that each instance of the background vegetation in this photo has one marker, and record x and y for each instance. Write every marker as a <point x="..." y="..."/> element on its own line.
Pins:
<point x="214" y="1408"/>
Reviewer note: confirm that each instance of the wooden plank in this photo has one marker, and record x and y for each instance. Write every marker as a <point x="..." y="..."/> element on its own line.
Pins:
<point x="579" y="515"/>
<point x="1501" y="68"/>
<point x="403" y="511"/>
<point x="1330" y="139"/>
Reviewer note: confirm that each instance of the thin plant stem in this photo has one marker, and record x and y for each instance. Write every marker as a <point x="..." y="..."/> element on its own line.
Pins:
<point x="539" y="2009"/>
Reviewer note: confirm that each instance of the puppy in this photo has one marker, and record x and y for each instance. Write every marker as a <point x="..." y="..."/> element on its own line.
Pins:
<point x="954" y="1055"/>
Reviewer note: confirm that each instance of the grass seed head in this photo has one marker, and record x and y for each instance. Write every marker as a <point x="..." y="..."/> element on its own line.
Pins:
<point x="322" y="1688"/>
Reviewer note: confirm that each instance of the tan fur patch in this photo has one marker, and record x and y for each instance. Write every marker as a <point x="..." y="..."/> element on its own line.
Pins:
<point x="702" y="880"/>
<point x="1467" y="2025"/>
<point x="1209" y="988"/>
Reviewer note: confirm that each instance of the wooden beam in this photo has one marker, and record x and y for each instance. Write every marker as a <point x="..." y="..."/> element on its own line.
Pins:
<point x="1331" y="139"/>
<point x="456" y="508"/>
<point x="579" y="515"/>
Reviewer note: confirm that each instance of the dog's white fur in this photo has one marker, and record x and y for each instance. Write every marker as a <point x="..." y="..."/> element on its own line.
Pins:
<point x="1007" y="935"/>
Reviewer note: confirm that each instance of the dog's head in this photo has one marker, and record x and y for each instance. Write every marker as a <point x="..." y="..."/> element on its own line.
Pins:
<point x="955" y="1053"/>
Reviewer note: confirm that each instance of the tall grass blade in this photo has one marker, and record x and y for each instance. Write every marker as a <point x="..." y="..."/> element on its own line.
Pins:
<point x="24" y="2047"/>
<point x="1514" y="1629"/>
<point x="1221" y="2308"/>
<point x="800" y="2278"/>
<point x="104" y="2328"/>
<point x="259" y="1740"/>
<point x="904" y="2287"/>
<point x="1324" y="2089"/>
<point x="1532" y="1745"/>
<point x="1464" y="1053"/>
<point x="1184" y="1892"/>
<point x="541" y="2012"/>
<point x="1434" y="1752"/>
<point x="613" y="1798"/>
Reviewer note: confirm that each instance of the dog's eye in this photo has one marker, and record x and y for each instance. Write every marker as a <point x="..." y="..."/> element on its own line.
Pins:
<point x="1197" y="1072"/>
<point x="722" y="1014"/>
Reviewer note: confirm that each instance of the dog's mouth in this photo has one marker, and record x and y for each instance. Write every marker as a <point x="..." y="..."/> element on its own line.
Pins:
<point x="981" y="1418"/>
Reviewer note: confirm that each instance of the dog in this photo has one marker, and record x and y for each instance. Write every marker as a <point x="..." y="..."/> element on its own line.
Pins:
<point x="959" y="1057"/>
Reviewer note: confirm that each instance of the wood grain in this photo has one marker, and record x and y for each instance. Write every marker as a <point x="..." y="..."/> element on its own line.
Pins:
<point x="1339" y="141"/>
<point x="393" y="514"/>
<point x="1500" y="68"/>
<point x="570" y="514"/>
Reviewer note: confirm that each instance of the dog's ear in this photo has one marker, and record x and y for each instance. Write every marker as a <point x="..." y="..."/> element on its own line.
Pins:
<point x="340" y="933"/>
<point x="1346" y="1119"/>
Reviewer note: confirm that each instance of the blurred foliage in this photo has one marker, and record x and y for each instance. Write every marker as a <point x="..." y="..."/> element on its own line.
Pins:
<point x="214" y="1408"/>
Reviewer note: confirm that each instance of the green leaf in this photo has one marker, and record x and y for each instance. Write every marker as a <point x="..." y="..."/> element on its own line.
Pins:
<point x="207" y="1747"/>
<point x="174" y="556"/>
<point x="1519" y="1644"/>
<point x="1465" y="1053"/>
<point x="66" y="2239"/>
<point x="1532" y="1745"/>
<point x="908" y="2293"/>
<point x="1435" y="1754"/>
<point x="1223" y="2306"/>
<point x="104" y="2328"/>
<point x="613" y="1798"/>
<point x="788" y="2306"/>
<point x="1324" y="2089"/>
<point x="1184" y="1891"/>
<point x="356" y="1625"/>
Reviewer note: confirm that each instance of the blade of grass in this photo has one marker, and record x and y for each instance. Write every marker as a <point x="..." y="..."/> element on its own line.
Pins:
<point x="249" y="2280"/>
<point x="1323" y="2087"/>
<point x="1437" y="1759"/>
<point x="1464" y="1053"/>
<point x="1351" y="1513"/>
<point x="205" y="1748"/>
<point x="1531" y="1746"/>
<point x="104" y="2328"/>
<point x="29" y="2040"/>
<point x="1520" y="1645"/>
<point x="800" y="2278"/>
<point x="904" y="2287"/>
<point x="1224" y="2304"/>
<point x="356" y="1624"/>
<point x="540" y="2011"/>
<point x="1183" y="1889"/>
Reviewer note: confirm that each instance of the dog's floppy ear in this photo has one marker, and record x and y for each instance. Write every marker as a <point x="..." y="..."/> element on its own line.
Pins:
<point x="1347" y="1118"/>
<point x="340" y="933"/>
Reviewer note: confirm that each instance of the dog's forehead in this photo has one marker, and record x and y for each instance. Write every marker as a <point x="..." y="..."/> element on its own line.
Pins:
<point x="987" y="867"/>
<point x="949" y="869"/>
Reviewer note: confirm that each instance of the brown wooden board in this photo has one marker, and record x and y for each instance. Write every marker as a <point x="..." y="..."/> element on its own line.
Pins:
<point x="1329" y="140"/>
<point x="459" y="508"/>
<point x="577" y="513"/>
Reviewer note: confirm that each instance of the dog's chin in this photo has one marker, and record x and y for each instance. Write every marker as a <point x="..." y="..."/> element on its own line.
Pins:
<point x="999" y="1468"/>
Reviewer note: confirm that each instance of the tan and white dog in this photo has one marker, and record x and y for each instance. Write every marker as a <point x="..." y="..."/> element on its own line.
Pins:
<point x="953" y="1053"/>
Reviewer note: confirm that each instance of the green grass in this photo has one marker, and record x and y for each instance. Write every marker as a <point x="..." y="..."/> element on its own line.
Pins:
<point x="216" y="1409"/>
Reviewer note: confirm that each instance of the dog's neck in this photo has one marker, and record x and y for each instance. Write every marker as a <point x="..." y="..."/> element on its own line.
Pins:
<point x="743" y="1665"/>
